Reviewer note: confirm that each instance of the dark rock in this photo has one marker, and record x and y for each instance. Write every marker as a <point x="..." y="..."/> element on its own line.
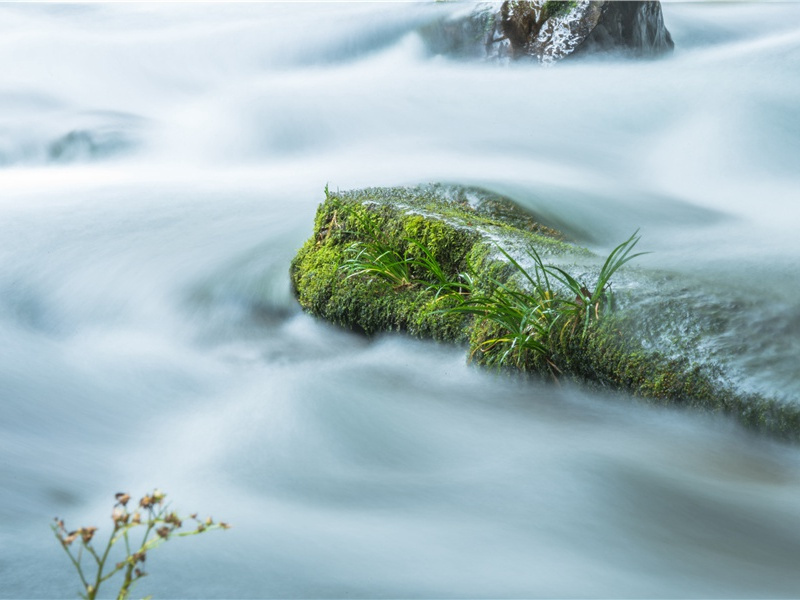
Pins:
<point x="552" y="30"/>
<point x="633" y="27"/>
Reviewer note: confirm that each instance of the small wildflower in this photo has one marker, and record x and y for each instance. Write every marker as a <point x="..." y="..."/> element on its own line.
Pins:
<point x="158" y="496"/>
<point x="224" y="525"/>
<point x="146" y="502"/>
<point x="122" y="498"/>
<point x="136" y="518"/>
<point x="163" y="532"/>
<point x="209" y="521"/>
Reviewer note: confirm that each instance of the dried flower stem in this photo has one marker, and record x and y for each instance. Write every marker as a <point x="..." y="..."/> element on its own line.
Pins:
<point x="158" y="520"/>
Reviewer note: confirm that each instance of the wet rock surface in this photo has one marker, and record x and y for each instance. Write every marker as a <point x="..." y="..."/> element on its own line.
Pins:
<point x="550" y="31"/>
<point x="653" y="345"/>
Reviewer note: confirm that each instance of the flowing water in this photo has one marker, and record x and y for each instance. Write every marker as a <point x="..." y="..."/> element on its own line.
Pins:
<point x="162" y="163"/>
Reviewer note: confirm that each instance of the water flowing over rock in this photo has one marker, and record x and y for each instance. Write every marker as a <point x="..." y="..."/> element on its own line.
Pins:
<point x="549" y="31"/>
<point x="433" y="235"/>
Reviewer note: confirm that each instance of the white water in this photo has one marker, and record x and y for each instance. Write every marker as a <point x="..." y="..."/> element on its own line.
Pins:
<point x="150" y="339"/>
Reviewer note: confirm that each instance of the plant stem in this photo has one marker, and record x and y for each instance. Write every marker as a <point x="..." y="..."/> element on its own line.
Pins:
<point x="75" y="563"/>
<point x="100" y="566"/>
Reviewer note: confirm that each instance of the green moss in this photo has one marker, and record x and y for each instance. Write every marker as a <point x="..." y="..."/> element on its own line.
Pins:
<point x="448" y="220"/>
<point x="558" y="8"/>
<point x="367" y="305"/>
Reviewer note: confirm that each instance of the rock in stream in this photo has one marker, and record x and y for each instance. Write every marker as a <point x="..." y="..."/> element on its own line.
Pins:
<point x="550" y="31"/>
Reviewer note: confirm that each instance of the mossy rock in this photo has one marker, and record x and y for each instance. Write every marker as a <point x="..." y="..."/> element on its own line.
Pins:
<point x="462" y="228"/>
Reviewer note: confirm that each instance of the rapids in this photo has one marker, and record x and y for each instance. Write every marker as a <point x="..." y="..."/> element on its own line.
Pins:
<point x="161" y="163"/>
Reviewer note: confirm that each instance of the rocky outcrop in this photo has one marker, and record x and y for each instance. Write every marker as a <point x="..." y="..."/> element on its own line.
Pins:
<point x="636" y="28"/>
<point x="552" y="30"/>
<point x="462" y="230"/>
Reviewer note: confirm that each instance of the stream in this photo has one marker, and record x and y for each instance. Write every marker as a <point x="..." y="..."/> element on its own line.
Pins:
<point x="161" y="163"/>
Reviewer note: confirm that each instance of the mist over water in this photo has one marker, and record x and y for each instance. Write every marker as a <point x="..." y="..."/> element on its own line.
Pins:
<point x="161" y="164"/>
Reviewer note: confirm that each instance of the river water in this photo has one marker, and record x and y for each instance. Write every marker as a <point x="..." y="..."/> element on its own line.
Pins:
<point x="160" y="165"/>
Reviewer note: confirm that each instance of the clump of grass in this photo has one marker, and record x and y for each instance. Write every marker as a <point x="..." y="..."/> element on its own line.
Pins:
<point x="526" y="317"/>
<point x="522" y="318"/>
<point x="374" y="256"/>
<point x="588" y="304"/>
<point x="522" y="313"/>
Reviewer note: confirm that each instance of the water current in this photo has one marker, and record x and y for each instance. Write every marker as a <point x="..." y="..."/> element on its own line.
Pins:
<point x="160" y="164"/>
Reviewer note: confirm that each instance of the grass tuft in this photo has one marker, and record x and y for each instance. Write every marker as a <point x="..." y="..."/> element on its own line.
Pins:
<point x="518" y="315"/>
<point x="587" y="305"/>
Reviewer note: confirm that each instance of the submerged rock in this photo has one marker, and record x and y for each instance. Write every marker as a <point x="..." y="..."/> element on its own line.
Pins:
<point x="462" y="231"/>
<point x="470" y="34"/>
<point x="552" y="30"/>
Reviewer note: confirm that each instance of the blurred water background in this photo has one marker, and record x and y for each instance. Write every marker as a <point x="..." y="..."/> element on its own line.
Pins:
<point x="161" y="163"/>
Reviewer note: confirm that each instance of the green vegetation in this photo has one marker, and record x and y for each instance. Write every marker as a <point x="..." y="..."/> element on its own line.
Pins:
<point x="437" y="262"/>
<point x="587" y="304"/>
<point x="523" y="316"/>
<point x="409" y="230"/>
<point x="521" y="319"/>
<point x="558" y="8"/>
<point x="152" y="515"/>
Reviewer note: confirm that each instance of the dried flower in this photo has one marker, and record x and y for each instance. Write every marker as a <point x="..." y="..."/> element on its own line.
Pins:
<point x="87" y="533"/>
<point x="119" y="516"/>
<point x="71" y="537"/>
<point x="157" y="515"/>
<point x="172" y="519"/>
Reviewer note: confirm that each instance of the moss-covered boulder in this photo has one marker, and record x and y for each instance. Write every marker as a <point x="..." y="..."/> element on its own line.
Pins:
<point x="462" y="230"/>
<point x="455" y="224"/>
